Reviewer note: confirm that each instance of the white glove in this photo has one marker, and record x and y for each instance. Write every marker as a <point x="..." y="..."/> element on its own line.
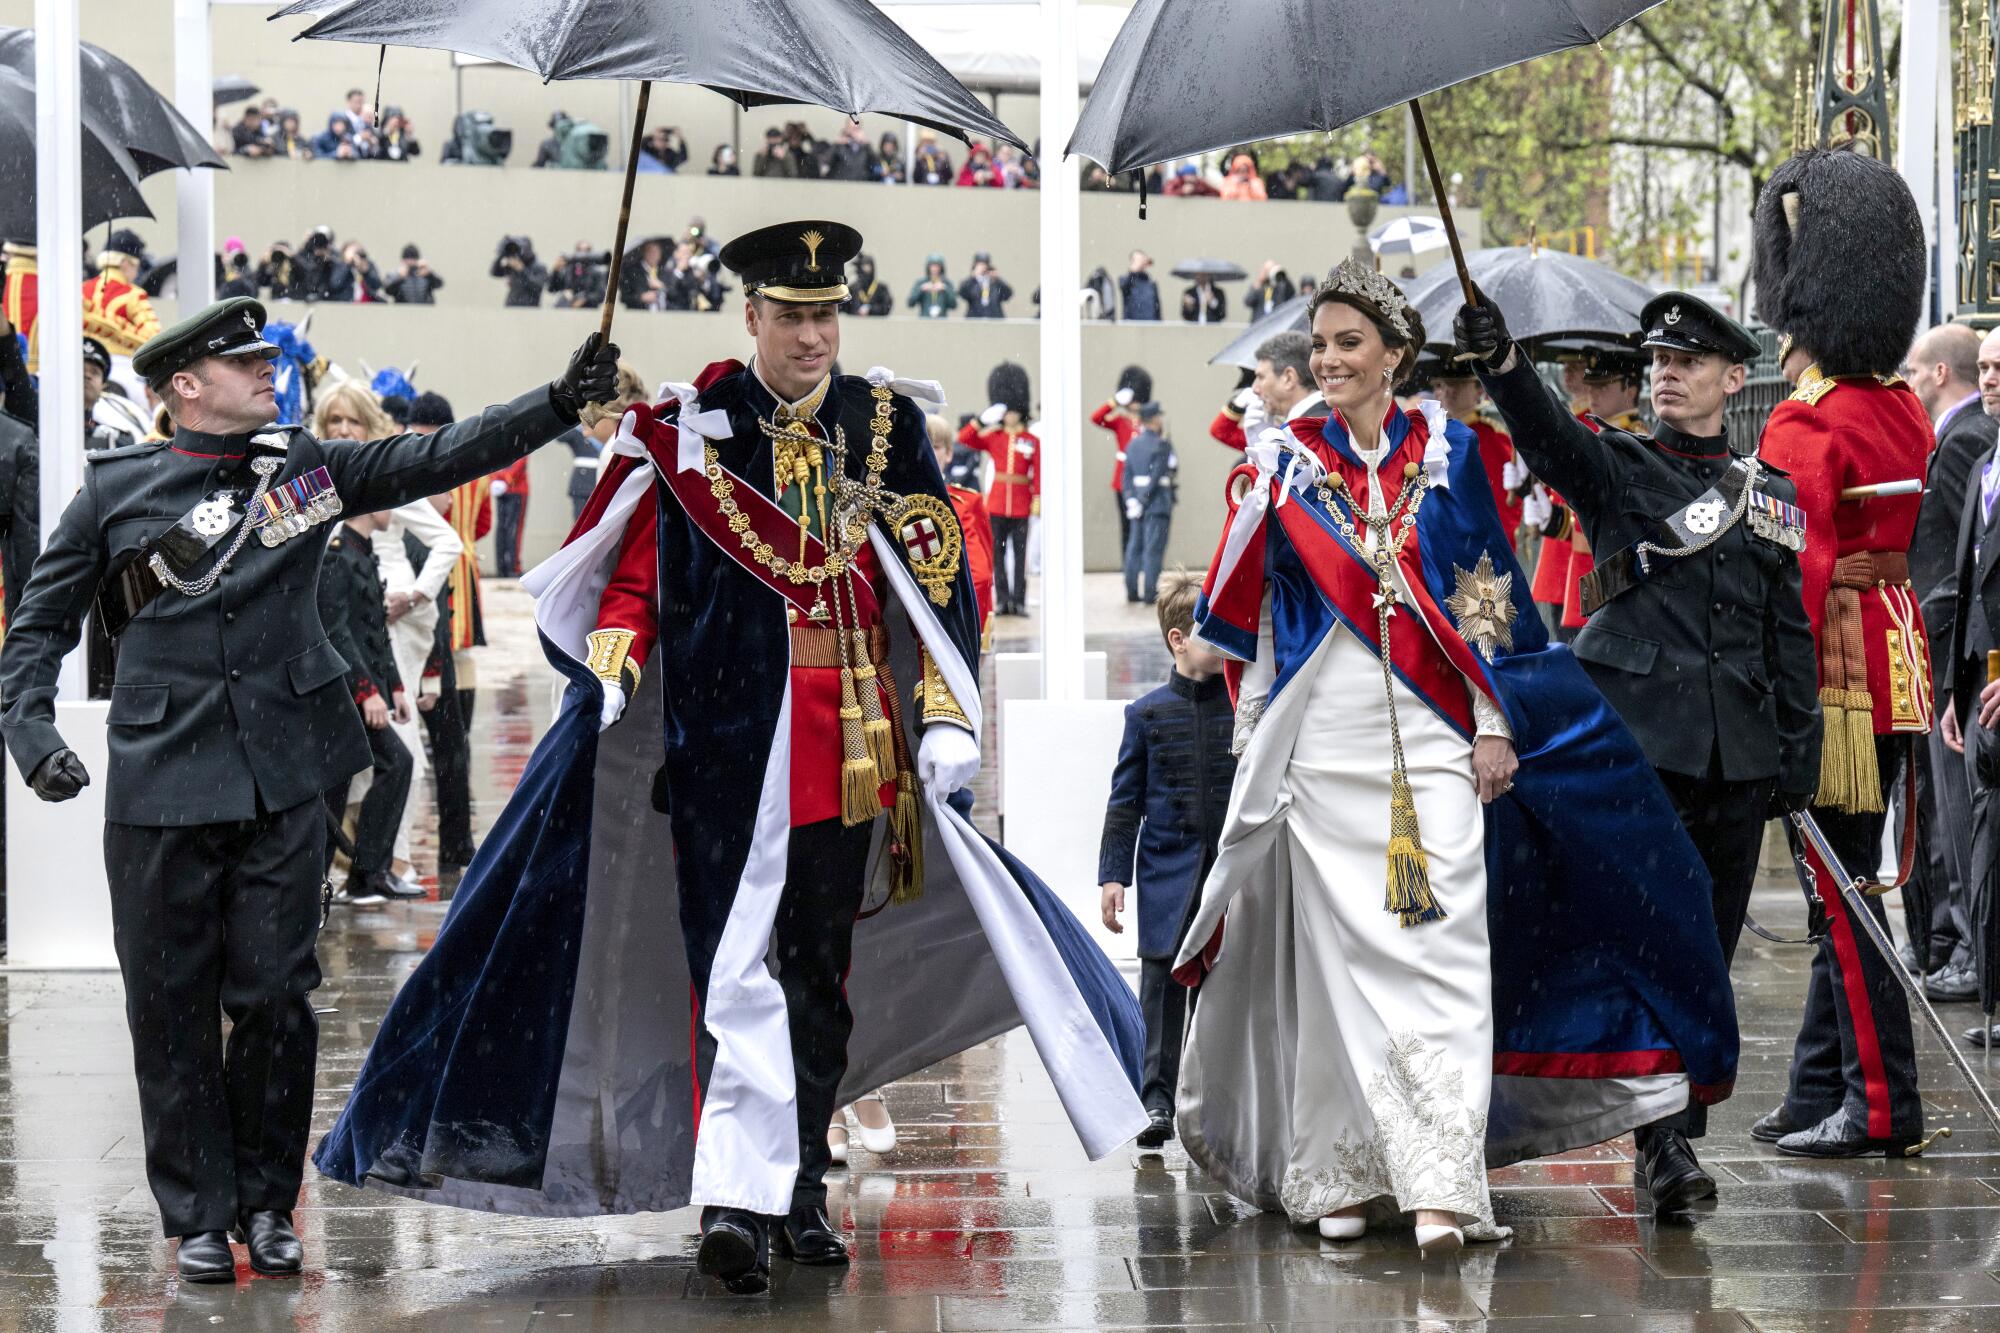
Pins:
<point x="993" y="415"/>
<point x="1242" y="401"/>
<point x="1512" y="473"/>
<point x="947" y="759"/>
<point x="1025" y="450"/>
<point x="498" y="487"/>
<point x="1133" y="509"/>
<point x="1123" y="398"/>
<point x="1535" y="508"/>
<point x="614" y="705"/>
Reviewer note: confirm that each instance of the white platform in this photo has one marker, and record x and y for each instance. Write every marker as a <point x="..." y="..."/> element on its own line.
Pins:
<point x="58" y="901"/>
<point x="1019" y="676"/>
<point x="1055" y="777"/>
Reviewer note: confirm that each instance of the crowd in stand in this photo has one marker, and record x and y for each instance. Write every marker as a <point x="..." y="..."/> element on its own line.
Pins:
<point x="352" y="133"/>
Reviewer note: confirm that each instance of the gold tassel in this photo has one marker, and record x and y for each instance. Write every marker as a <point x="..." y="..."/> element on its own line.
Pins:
<point x="860" y="784"/>
<point x="906" y="828"/>
<point x="1867" y="774"/>
<point x="1836" y="769"/>
<point x="874" y="724"/>
<point x="1409" y="867"/>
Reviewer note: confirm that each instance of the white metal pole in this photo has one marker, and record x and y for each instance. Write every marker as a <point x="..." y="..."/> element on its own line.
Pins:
<point x="194" y="190"/>
<point x="1062" y="363"/>
<point x="59" y="265"/>
<point x="1946" y="131"/>
<point x="1916" y="117"/>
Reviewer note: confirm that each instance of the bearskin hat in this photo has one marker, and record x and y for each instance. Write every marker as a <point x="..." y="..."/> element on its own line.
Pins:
<point x="1008" y="386"/>
<point x="1138" y="381"/>
<point x="1840" y="260"/>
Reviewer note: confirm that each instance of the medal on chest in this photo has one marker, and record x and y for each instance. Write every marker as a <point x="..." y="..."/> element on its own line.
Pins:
<point x="1777" y="522"/>
<point x="290" y="508"/>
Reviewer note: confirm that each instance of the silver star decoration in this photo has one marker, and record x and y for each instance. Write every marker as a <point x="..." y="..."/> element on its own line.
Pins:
<point x="1483" y="606"/>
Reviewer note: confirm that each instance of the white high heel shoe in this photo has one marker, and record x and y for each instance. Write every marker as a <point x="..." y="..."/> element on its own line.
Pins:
<point x="876" y="1140"/>
<point x="1439" y="1240"/>
<point x="1343" y="1228"/>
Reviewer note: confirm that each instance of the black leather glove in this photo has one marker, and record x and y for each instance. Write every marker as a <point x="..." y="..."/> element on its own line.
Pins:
<point x="59" y="777"/>
<point x="1790" y="803"/>
<point x="1480" y="331"/>
<point x="592" y="377"/>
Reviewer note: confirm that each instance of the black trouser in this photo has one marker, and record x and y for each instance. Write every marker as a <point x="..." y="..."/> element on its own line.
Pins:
<point x="213" y="919"/>
<point x="510" y="511"/>
<point x="1854" y="1048"/>
<point x="381" y="806"/>
<point x="1944" y="805"/>
<point x="1164" y="1003"/>
<point x="1726" y="821"/>
<point x="451" y="764"/>
<point x="813" y="940"/>
<point x="1010" y="564"/>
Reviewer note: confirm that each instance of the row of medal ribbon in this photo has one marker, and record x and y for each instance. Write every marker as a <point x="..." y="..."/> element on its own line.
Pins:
<point x="291" y="507"/>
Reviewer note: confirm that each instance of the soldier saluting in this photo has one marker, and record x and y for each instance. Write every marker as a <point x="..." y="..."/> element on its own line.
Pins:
<point x="1696" y="635"/>
<point x="229" y="717"/>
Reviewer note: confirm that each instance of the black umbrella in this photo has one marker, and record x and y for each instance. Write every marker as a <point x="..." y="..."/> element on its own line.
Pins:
<point x="234" y="88"/>
<point x="842" y="54"/>
<point x="110" y="177"/>
<point x="1548" y="295"/>
<point x="1162" y="93"/>
<point x="1221" y="270"/>
<point x="1285" y="317"/>
<point x="138" y="118"/>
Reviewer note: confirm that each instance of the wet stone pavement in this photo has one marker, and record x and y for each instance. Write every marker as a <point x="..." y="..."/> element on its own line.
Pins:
<point x="987" y="1216"/>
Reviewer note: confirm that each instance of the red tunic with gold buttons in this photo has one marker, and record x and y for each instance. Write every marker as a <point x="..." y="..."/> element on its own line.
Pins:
<point x="1123" y="424"/>
<point x="1833" y="435"/>
<point x="1017" y="469"/>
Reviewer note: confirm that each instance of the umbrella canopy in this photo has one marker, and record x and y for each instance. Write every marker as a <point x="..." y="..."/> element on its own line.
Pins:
<point x="110" y="177"/>
<point x="1162" y="93"/>
<point x="131" y="111"/>
<point x="234" y="88"/>
<point x="1222" y="270"/>
<point x="1546" y="295"/>
<point x="1286" y="317"/>
<point x="1408" y="236"/>
<point x="842" y="54"/>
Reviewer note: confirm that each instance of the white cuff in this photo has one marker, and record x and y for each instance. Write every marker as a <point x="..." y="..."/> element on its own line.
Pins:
<point x="1487" y="718"/>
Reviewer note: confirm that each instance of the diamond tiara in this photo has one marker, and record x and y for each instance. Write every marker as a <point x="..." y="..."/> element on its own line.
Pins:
<point x="1354" y="280"/>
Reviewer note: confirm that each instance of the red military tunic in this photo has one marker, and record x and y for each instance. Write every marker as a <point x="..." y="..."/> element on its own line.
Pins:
<point x="1124" y="425"/>
<point x="1832" y="435"/>
<point x="1227" y="428"/>
<point x="1581" y="560"/>
<point x="117" y="314"/>
<point x="631" y="601"/>
<point x="978" y="528"/>
<point x="1016" y="491"/>
<point x="21" y="301"/>
<point x="1496" y="451"/>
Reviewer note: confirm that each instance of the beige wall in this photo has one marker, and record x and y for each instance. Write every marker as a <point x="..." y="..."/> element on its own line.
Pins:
<point x="474" y="351"/>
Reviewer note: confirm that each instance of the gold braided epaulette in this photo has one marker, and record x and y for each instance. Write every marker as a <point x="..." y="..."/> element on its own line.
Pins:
<point x="1813" y="386"/>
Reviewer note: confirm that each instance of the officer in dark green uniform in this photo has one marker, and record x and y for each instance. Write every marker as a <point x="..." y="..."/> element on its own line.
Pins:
<point x="230" y="715"/>
<point x="1697" y="635"/>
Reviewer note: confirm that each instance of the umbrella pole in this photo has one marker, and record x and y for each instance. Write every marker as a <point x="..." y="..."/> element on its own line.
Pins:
<point x="624" y="210"/>
<point x="1443" y="201"/>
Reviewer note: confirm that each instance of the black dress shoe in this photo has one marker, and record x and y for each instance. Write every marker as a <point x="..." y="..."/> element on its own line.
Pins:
<point x="735" y="1251"/>
<point x="1667" y="1170"/>
<point x="1773" y="1125"/>
<point x="274" y="1247"/>
<point x="807" y="1237"/>
<point x="1839" y="1136"/>
<point x="1157" y="1133"/>
<point x="205" y="1257"/>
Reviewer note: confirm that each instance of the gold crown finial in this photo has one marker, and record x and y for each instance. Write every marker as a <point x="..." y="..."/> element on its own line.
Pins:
<point x="812" y="241"/>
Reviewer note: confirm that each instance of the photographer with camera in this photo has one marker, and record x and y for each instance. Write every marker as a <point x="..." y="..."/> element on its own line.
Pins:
<point x="354" y="277"/>
<point x="578" y="279"/>
<point x="477" y="141"/>
<point x="662" y="152"/>
<point x="414" y="282"/>
<point x="525" y="275"/>
<point x="574" y="145"/>
<point x="316" y="261"/>
<point x="281" y="274"/>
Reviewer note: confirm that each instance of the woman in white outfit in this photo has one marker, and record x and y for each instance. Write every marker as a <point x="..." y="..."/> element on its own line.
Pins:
<point x="349" y="411"/>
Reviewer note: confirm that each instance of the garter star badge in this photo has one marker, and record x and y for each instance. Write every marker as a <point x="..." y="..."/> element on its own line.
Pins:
<point x="928" y="530"/>
<point x="1483" y="607"/>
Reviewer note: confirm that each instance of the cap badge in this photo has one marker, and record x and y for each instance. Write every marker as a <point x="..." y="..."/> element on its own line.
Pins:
<point x="249" y="321"/>
<point x="812" y="241"/>
<point x="1673" y="316"/>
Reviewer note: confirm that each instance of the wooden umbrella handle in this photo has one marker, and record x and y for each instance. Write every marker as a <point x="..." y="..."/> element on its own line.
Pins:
<point x="625" y="211"/>
<point x="1443" y="201"/>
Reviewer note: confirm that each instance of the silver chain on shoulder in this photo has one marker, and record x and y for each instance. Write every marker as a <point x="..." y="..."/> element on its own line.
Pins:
<point x="1722" y="530"/>
<point x="265" y="468"/>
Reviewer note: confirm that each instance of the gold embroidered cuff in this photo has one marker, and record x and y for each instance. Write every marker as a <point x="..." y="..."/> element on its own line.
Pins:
<point x="935" y="701"/>
<point x="610" y="658"/>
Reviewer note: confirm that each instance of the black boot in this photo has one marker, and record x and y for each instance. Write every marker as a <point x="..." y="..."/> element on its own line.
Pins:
<point x="735" y="1250"/>
<point x="1159" y="1131"/>
<point x="205" y="1257"/>
<point x="807" y="1237"/>
<point x="1839" y="1136"/>
<point x="1773" y="1125"/>
<point x="1665" y="1167"/>
<point x="274" y="1247"/>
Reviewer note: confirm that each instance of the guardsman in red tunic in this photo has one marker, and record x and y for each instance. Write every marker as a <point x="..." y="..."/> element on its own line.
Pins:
<point x="1120" y="416"/>
<point x="1458" y="390"/>
<point x="115" y="311"/>
<point x="977" y="524"/>
<point x="1611" y="380"/>
<point x="1015" y="494"/>
<point x="20" y="298"/>
<point x="1840" y="265"/>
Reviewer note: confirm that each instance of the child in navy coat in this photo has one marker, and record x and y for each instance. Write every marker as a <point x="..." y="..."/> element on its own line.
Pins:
<point x="1168" y="797"/>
